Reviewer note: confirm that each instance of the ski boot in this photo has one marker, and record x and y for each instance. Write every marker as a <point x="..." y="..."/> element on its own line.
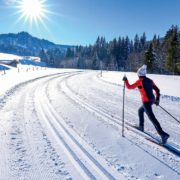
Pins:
<point x="140" y="128"/>
<point x="164" y="137"/>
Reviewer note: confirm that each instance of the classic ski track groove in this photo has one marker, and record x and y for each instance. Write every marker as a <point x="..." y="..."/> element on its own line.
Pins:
<point x="71" y="152"/>
<point x="99" y="168"/>
<point x="23" y="93"/>
<point x="30" y="143"/>
<point x="32" y="91"/>
<point x="115" y="120"/>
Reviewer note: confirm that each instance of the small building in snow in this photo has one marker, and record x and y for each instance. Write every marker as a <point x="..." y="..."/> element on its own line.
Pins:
<point x="13" y="63"/>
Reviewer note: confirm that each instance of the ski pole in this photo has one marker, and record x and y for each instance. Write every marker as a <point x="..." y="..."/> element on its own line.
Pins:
<point x="123" y="110"/>
<point x="169" y="114"/>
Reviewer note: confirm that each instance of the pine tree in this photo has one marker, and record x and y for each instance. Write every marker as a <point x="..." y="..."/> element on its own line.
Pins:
<point x="72" y="52"/>
<point x="168" y="36"/>
<point x="173" y="53"/>
<point x="90" y="50"/>
<point x="104" y="49"/>
<point x="47" y="61"/>
<point x="122" y="60"/>
<point x="149" y="58"/>
<point x="178" y="68"/>
<point x="131" y="47"/>
<point x="127" y="47"/>
<point x="98" y="42"/>
<point x="119" y="44"/>
<point x="160" y="57"/>
<point x="80" y="62"/>
<point x="48" y="52"/>
<point x="51" y="62"/>
<point x="68" y="53"/>
<point x="42" y="55"/>
<point x="143" y="41"/>
<point x="96" y="47"/>
<point x="154" y="39"/>
<point x="114" y="48"/>
<point x="95" y="63"/>
<point x="76" y="51"/>
<point x="136" y="43"/>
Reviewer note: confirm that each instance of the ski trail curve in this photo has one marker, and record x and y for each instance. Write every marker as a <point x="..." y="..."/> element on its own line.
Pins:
<point x="54" y="121"/>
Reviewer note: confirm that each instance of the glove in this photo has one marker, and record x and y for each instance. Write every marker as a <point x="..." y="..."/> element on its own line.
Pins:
<point x="156" y="103"/>
<point x="125" y="78"/>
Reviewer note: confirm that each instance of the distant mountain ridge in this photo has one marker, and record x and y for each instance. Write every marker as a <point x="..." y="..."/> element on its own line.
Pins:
<point x="26" y="41"/>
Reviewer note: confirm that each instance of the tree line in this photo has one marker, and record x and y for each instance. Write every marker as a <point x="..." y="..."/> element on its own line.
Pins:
<point x="11" y="49"/>
<point x="161" y="55"/>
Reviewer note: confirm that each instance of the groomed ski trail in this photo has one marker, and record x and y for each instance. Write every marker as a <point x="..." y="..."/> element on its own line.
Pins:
<point x="39" y="143"/>
<point x="21" y="158"/>
<point x="116" y="121"/>
<point x="84" y="158"/>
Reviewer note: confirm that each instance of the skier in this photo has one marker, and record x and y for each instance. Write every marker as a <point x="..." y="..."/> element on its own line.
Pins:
<point x="146" y="86"/>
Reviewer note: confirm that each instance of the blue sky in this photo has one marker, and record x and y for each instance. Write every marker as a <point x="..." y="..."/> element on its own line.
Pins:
<point x="81" y="21"/>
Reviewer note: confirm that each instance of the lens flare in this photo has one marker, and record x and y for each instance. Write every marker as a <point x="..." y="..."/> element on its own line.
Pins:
<point x="34" y="10"/>
<point x="9" y="2"/>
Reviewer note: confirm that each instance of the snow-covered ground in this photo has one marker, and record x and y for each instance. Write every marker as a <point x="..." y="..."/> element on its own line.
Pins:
<point x="66" y="124"/>
<point x="23" y="60"/>
<point x="9" y="57"/>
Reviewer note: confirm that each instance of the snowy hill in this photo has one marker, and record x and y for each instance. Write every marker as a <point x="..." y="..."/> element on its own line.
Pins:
<point x="26" y="41"/>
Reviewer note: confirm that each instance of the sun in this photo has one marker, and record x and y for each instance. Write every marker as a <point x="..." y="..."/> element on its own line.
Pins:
<point x="33" y="10"/>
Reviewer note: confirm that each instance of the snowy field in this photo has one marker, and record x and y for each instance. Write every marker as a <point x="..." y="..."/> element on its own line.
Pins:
<point x="23" y="60"/>
<point x="66" y="124"/>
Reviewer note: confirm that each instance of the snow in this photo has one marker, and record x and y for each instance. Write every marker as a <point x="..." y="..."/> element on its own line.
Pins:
<point x="24" y="60"/>
<point x="23" y="46"/>
<point x="6" y="67"/>
<point x="67" y="123"/>
<point x="6" y="58"/>
<point x="168" y="84"/>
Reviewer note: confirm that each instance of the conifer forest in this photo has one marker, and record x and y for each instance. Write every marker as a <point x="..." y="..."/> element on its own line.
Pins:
<point x="161" y="55"/>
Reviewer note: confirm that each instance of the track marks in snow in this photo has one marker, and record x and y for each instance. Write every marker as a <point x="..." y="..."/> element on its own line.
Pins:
<point x="49" y="161"/>
<point x="54" y="120"/>
<point x="83" y="102"/>
<point x="27" y="152"/>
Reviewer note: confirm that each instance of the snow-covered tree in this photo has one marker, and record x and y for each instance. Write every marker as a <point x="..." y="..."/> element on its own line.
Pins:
<point x="95" y="63"/>
<point x="51" y="61"/>
<point x="47" y="61"/>
<point x="42" y="55"/>
<point x="160" y="57"/>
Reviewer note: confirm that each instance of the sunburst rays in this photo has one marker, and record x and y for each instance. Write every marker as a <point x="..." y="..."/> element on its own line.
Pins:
<point x="32" y="10"/>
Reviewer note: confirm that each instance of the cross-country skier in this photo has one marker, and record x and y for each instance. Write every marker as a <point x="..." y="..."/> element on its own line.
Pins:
<point x="146" y="86"/>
